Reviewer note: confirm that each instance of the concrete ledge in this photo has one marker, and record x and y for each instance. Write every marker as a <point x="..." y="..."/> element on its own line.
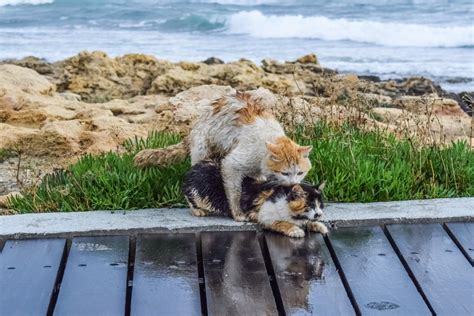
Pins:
<point x="179" y="220"/>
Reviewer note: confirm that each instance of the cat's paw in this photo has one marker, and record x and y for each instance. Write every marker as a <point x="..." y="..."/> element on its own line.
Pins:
<point x="295" y="232"/>
<point x="318" y="227"/>
<point x="252" y="217"/>
<point x="241" y="218"/>
<point x="199" y="212"/>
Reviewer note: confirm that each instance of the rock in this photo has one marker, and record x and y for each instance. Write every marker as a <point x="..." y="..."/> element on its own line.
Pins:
<point x="428" y="103"/>
<point x="23" y="80"/>
<point x="39" y="65"/>
<point x="70" y="96"/>
<point x="389" y="115"/>
<point x="39" y="122"/>
<point x="308" y="59"/>
<point x="370" y="78"/>
<point x="98" y="78"/>
<point x="9" y="135"/>
<point x="213" y="61"/>
<point x="378" y="100"/>
<point x="274" y="67"/>
<point x="465" y="100"/>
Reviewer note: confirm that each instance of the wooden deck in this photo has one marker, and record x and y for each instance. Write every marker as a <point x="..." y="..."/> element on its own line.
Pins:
<point x="389" y="270"/>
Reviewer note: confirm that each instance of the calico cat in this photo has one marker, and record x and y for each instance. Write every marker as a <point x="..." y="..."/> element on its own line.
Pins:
<point x="247" y="141"/>
<point x="278" y="207"/>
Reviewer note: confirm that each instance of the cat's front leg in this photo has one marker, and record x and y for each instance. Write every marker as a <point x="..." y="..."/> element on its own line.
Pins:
<point x="232" y="179"/>
<point x="287" y="228"/>
<point x="318" y="227"/>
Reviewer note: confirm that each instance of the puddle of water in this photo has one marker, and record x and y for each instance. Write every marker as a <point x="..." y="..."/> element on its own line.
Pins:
<point x="382" y="306"/>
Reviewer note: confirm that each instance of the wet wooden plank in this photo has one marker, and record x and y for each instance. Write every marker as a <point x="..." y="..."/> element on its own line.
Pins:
<point x="235" y="275"/>
<point x="28" y="271"/>
<point x="166" y="279"/>
<point x="464" y="235"/>
<point x="95" y="277"/>
<point x="307" y="277"/>
<point x="444" y="274"/>
<point x="376" y="276"/>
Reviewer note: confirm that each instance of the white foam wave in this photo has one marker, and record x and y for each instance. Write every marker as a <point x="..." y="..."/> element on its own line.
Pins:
<point x="256" y="24"/>
<point x="18" y="2"/>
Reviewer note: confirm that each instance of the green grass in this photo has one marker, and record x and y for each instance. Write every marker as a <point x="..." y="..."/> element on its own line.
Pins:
<point x="359" y="166"/>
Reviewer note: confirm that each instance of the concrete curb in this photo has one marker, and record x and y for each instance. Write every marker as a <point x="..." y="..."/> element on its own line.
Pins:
<point x="179" y="220"/>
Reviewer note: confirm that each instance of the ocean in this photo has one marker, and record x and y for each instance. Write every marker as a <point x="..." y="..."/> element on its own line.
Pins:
<point x="387" y="38"/>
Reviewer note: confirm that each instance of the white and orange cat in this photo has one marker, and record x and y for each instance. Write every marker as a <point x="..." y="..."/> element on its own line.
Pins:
<point x="246" y="139"/>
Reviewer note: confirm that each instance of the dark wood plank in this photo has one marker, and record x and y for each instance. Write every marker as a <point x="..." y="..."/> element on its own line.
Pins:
<point x="446" y="277"/>
<point x="28" y="271"/>
<point x="235" y="275"/>
<point x="379" y="282"/>
<point x="464" y="235"/>
<point x="165" y="280"/>
<point x="307" y="277"/>
<point x="95" y="278"/>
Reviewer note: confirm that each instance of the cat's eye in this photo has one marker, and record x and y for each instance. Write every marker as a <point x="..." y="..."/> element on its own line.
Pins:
<point x="285" y="173"/>
<point x="300" y="173"/>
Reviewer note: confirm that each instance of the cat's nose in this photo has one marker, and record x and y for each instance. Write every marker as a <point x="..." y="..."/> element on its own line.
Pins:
<point x="312" y="214"/>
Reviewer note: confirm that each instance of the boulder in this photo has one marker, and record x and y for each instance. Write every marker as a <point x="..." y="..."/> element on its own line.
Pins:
<point x="213" y="61"/>
<point x="39" y="65"/>
<point x="308" y="59"/>
<point x="99" y="78"/>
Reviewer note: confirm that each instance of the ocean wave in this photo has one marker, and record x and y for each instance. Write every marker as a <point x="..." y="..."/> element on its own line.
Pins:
<point x="192" y="23"/>
<point x="394" y="34"/>
<point x="19" y="2"/>
<point x="238" y="2"/>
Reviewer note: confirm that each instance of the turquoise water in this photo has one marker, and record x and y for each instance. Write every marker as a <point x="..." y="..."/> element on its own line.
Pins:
<point x="392" y="39"/>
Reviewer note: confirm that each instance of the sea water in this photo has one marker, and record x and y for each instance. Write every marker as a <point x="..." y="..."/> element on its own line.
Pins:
<point x="387" y="38"/>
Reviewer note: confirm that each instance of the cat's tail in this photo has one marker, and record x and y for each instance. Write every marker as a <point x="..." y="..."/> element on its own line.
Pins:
<point x="162" y="156"/>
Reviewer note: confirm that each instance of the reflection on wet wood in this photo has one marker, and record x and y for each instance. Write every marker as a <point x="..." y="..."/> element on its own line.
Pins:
<point x="95" y="277"/>
<point x="377" y="278"/>
<point x="235" y="275"/>
<point x="464" y="234"/>
<point x="307" y="277"/>
<point x="165" y="279"/>
<point x="444" y="274"/>
<point x="28" y="270"/>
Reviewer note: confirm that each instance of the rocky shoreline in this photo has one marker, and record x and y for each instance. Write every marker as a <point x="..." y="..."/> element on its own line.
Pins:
<point x="52" y="113"/>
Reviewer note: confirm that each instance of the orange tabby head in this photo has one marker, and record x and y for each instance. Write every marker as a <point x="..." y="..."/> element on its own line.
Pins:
<point x="288" y="162"/>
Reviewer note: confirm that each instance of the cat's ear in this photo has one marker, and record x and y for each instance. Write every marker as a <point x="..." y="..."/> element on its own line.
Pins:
<point x="320" y="187"/>
<point x="297" y="191"/>
<point x="273" y="149"/>
<point x="305" y="150"/>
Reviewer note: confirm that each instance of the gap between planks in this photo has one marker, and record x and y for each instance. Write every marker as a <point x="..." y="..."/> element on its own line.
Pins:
<point x="347" y="287"/>
<point x="132" y="246"/>
<point x="59" y="277"/>
<point x="201" y="277"/>
<point x="271" y="273"/>
<point x="407" y="269"/>
<point x="457" y="243"/>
